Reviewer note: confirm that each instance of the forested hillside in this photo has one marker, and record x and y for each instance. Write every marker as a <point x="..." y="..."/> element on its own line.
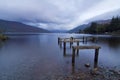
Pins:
<point x="113" y="26"/>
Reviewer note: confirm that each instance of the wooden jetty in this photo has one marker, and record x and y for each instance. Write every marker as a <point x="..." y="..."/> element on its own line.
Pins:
<point x="71" y="40"/>
<point x="74" y="48"/>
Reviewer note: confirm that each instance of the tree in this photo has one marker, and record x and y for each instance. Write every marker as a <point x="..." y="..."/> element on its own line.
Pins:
<point x="114" y="24"/>
<point x="92" y="29"/>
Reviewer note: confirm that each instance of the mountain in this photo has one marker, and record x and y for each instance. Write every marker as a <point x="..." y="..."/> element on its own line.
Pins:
<point x="104" y="18"/>
<point x="58" y="31"/>
<point x="81" y="27"/>
<point x="103" y="21"/>
<point x="11" y="26"/>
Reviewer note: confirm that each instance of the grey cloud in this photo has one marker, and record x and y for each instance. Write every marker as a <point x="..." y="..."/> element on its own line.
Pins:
<point x="52" y="13"/>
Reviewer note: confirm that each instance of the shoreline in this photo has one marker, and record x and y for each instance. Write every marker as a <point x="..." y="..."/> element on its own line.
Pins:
<point x="100" y="74"/>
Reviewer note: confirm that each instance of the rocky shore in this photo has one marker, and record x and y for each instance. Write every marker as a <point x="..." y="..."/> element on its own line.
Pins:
<point x="3" y="37"/>
<point x="96" y="74"/>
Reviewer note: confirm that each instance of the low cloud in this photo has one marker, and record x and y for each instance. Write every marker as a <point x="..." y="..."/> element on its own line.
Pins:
<point x="54" y="14"/>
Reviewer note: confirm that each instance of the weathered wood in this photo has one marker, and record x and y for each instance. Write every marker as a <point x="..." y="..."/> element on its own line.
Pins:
<point x="60" y="44"/>
<point x="71" y="39"/>
<point x="69" y="55"/>
<point x="58" y="40"/>
<point x="77" y="49"/>
<point x="67" y="40"/>
<point x="86" y="47"/>
<point x="71" y="44"/>
<point x="74" y="40"/>
<point x="96" y="58"/>
<point x="64" y="45"/>
<point x="73" y="57"/>
<point x="64" y="50"/>
<point x="86" y="40"/>
<point x="83" y="39"/>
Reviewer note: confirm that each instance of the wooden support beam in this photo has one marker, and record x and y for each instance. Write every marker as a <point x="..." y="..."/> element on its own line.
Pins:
<point x="71" y="40"/>
<point x="83" y="39"/>
<point x="58" y="40"/>
<point x="64" y="45"/>
<point x="64" y="49"/>
<point x="96" y="58"/>
<point x="86" y="47"/>
<point x="86" y="40"/>
<point x="77" y="49"/>
<point x="73" y="57"/>
<point x="70" y="44"/>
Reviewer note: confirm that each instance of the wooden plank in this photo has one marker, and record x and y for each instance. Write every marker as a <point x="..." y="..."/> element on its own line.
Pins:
<point x="86" y="47"/>
<point x="71" y="41"/>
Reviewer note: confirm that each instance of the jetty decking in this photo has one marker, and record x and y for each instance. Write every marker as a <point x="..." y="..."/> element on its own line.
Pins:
<point x="71" y="40"/>
<point x="74" y="48"/>
<point x="62" y="42"/>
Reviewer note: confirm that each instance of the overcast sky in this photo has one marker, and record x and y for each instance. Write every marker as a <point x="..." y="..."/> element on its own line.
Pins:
<point x="55" y="14"/>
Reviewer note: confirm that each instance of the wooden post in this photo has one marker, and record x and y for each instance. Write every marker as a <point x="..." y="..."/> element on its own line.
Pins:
<point x="73" y="68"/>
<point x="64" y="49"/>
<point x="70" y="44"/>
<point x="71" y="41"/>
<point x="96" y="58"/>
<point x="86" y="40"/>
<point x="64" y="44"/>
<point x="64" y="52"/>
<point x="73" y="57"/>
<point x="58" y="40"/>
<point x="83" y="39"/>
<point x="77" y="49"/>
<point x="73" y="61"/>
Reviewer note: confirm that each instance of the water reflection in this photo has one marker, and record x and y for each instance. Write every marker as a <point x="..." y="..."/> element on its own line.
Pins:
<point x="35" y="57"/>
<point x="1" y="44"/>
<point x="74" y="53"/>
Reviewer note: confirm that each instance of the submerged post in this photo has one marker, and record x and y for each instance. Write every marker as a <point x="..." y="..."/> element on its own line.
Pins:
<point x="96" y="58"/>
<point x="86" y="40"/>
<point x="83" y="39"/>
<point x="87" y="47"/>
<point x="73" y="57"/>
<point x="64" y="48"/>
<point x="77" y="49"/>
<point x="58" y="40"/>
<point x="71" y="41"/>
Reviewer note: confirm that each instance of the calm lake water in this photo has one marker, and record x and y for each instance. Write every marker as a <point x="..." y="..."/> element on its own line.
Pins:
<point x="39" y="57"/>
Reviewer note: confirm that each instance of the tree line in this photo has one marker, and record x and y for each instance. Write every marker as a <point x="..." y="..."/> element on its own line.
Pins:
<point x="96" y="28"/>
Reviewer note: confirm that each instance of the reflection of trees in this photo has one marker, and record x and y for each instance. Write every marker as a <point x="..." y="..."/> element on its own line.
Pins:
<point x="113" y="42"/>
<point x="1" y="44"/>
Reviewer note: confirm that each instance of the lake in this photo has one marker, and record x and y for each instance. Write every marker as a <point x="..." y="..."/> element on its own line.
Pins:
<point x="39" y="57"/>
